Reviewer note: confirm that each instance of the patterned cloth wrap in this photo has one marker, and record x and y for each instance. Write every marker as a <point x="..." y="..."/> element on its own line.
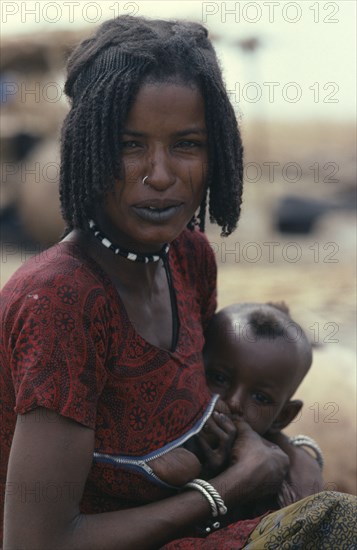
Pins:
<point x="325" y="521"/>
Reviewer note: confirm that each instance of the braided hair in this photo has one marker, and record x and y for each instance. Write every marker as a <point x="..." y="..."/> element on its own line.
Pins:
<point x="105" y="72"/>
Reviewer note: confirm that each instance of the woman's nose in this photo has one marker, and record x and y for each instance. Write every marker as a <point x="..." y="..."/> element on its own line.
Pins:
<point x="161" y="175"/>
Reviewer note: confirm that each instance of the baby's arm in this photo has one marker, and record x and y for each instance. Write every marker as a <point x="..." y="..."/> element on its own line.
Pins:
<point x="303" y="479"/>
<point x="305" y="474"/>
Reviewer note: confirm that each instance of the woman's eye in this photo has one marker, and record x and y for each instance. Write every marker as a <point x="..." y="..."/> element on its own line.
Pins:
<point x="262" y="398"/>
<point x="186" y="144"/>
<point x="129" y="144"/>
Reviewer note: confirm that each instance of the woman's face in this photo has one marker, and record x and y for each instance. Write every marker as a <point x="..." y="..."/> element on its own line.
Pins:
<point x="165" y="139"/>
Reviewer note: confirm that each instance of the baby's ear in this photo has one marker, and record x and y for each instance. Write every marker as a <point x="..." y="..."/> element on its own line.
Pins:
<point x="290" y="410"/>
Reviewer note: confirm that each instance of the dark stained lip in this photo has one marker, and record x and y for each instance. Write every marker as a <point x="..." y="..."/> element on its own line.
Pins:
<point x="157" y="215"/>
<point x="160" y="204"/>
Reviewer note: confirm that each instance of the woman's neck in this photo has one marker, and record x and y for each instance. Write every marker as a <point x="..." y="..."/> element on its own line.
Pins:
<point x="122" y="271"/>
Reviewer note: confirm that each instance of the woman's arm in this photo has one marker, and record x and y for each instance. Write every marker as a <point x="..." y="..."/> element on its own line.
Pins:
<point x="49" y="463"/>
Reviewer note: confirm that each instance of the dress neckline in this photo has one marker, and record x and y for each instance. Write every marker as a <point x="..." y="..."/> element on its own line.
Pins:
<point x="175" y="308"/>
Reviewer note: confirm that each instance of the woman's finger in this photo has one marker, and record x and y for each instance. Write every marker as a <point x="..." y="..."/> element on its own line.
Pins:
<point x="222" y="421"/>
<point x="218" y="434"/>
<point x="222" y="407"/>
<point x="205" y="445"/>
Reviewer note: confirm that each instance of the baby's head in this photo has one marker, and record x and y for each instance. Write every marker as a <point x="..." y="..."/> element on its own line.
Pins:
<point x="256" y="357"/>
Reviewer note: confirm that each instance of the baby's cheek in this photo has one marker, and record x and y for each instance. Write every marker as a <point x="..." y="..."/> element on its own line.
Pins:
<point x="258" y="418"/>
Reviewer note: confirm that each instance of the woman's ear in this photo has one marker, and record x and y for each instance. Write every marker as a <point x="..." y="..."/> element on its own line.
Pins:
<point x="290" y="410"/>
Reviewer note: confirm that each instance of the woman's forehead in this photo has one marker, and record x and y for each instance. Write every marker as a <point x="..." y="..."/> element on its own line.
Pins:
<point x="170" y="101"/>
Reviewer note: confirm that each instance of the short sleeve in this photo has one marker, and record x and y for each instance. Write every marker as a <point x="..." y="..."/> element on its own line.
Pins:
<point x="57" y="349"/>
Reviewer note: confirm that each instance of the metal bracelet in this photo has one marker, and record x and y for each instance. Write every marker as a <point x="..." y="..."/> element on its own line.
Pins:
<point x="306" y="441"/>
<point x="222" y="508"/>
<point x="209" y="498"/>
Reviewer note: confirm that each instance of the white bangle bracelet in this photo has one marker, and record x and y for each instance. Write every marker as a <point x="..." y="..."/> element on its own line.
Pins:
<point x="209" y="498"/>
<point x="306" y="441"/>
<point x="222" y="508"/>
<point x="214" y="499"/>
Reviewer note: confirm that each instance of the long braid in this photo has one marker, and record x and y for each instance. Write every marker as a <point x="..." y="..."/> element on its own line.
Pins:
<point x="64" y="189"/>
<point x="202" y="213"/>
<point x="226" y="183"/>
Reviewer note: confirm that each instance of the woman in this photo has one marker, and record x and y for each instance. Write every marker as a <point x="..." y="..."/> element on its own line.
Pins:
<point x="103" y="334"/>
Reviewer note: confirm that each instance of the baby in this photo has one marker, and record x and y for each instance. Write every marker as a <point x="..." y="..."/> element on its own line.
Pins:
<point x="255" y="358"/>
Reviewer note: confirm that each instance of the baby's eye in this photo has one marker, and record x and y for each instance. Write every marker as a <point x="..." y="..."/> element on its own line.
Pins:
<point x="262" y="398"/>
<point x="218" y="379"/>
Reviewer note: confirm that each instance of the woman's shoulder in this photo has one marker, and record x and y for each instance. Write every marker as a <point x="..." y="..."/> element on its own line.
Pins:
<point x="63" y="268"/>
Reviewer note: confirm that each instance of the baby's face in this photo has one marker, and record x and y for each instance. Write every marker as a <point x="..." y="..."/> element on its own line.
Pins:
<point x="254" y="376"/>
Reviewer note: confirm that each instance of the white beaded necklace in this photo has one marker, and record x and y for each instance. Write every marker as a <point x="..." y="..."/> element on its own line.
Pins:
<point x="133" y="256"/>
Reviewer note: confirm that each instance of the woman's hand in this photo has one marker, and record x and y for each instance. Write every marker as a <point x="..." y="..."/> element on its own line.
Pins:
<point x="177" y="467"/>
<point x="257" y="467"/>
<point x="215" y="442"/>
<point x="304" y="475"/>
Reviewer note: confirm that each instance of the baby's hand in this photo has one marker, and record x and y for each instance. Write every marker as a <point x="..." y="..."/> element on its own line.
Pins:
<point x="265" y="463"/>
<point x="286" y="495"/>
<point x="177" y="467"/>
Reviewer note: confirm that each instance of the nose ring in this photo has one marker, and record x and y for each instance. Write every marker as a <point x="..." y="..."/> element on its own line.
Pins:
<point x="144" y="180"/>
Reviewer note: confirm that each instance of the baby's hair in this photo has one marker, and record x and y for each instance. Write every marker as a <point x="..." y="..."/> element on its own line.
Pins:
<point x="105" y="73"/>
<point x="271" y="320"/>
<point x="267" y="323"/>
<point x="264" y="320"/>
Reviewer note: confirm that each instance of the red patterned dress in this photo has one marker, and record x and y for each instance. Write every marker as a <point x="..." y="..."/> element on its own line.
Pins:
<point x="68" y="345"/>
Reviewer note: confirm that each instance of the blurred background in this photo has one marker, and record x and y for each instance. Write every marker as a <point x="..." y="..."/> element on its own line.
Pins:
<point x="290" y="71"/>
